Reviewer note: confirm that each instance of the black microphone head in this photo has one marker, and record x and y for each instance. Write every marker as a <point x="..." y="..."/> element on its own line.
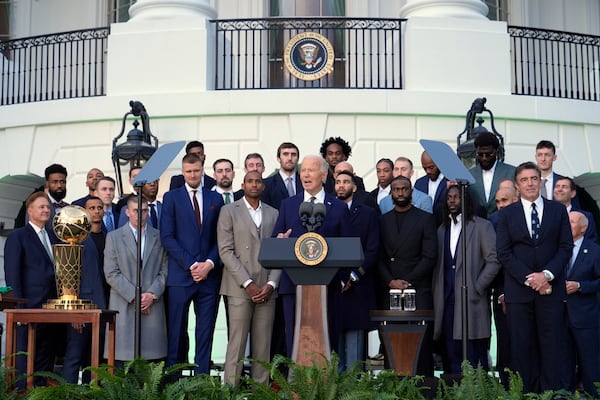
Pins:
<point x="305" y="210"/>
<point x="319" y="210"/>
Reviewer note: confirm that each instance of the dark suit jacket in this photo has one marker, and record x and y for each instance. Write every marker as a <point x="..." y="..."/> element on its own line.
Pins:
<point x="477" y="190"/>
<point x="329" y="184"/>
<point x="81" y="202"/>
<point x="276" y="191"/>
<point x="439" y="199"/>
<point x="185" y="243"/>
<point x="364" y="197"/>
<point x="409" y="254"/>
<point x="520" y="255"/>
<point x="354" y="305"/>
<point x="178" y="181"/>
<point x="336" y="224"/>
<point x="583" y="308"/>
<point x="27" y="267"/>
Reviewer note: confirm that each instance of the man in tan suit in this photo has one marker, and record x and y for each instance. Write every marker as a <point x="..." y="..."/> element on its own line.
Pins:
<point x="250" y="288"/>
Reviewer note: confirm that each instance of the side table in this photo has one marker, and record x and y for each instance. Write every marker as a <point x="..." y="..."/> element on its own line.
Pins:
<point x="31" y="316"/>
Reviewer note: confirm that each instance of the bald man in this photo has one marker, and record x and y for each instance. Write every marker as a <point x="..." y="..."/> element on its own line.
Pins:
<point x="583" y="309"/>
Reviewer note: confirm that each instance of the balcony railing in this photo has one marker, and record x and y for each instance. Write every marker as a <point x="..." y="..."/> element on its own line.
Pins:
<point x="60" y="66"/>
<point x="250" y="53"/>
<point x="555" y="64"/>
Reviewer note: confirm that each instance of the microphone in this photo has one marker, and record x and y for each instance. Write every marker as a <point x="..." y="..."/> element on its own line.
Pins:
<point x="305" y="211"/>
<point x="319" y="212"/>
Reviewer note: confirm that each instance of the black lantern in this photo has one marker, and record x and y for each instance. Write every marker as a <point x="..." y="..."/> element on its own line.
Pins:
<point x="138" y="147"/>
<point x="466" y="149"/>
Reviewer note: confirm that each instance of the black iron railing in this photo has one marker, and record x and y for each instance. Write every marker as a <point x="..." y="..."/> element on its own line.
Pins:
<point x="250" y="53"/>
<point x="58" y="66"/>
<point x="555" y="64"/>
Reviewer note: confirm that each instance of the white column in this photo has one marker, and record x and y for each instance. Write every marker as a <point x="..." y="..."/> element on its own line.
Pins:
<point x="471" y="9"/>
<point x="451" y="46"/>
<point x="166" y="47"/>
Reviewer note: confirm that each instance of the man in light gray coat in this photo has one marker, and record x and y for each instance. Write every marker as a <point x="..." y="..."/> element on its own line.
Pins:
<point x="120" y="263"/>
<point x="482" y="266"/>
<point x="250" y="288"/>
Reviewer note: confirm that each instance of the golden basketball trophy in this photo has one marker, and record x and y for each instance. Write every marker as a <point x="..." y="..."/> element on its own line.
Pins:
<point x="72" y="225"/>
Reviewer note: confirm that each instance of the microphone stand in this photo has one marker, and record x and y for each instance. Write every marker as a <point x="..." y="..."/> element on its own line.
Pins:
<point x="464" y="288"/>
<point x="137" y="349"/>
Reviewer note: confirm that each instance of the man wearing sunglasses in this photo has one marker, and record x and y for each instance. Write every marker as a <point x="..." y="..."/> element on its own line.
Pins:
<point x="488" y="173"/>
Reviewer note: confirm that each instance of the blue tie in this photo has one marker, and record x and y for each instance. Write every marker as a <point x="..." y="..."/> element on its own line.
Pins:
<point x="110" y="225"/>
<point x="153" y="215"/>
<point x="535" y="223"/>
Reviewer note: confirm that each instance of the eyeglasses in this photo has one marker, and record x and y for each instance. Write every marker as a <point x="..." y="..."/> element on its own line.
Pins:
<point x="487" y="154"/>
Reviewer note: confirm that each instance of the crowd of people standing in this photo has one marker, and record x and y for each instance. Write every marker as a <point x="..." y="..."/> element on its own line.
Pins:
<point x="532" y="262"/>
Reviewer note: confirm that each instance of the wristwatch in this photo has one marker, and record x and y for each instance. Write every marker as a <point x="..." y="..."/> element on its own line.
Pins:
<point x="547" y="275"/>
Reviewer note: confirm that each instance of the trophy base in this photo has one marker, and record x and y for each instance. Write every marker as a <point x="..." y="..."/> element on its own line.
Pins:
<point x="69" y="304"/>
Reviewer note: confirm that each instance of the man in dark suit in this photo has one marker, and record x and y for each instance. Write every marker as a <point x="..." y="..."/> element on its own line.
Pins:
<point x="90" y="182"/>
<point x="357" y="295"/>
<point x="335" y="150"/>
<point x="360" y="195"/>
<point x="564" y="192"/>
<point x="224" y="174"/>
<point x="29" y="270"/>
<point x="278" y="187"/>
<point x="79" y="336"/>
<point x="385" y="171"/>
<point x="433" y="184"/>
<point x="188" y="231"/>
<point x="125" y="196"/>
<point x="56" y="190"/>
<point x="545" y="155"/>
<point x="488" y="173"/>
<point x="534" y="245"/>
<point x="408" y="255"/>
<point x="196" y="148"/>
<point x="313" y="174"/>
<point x="583" y="309"/>
<point x="286" y="181"/>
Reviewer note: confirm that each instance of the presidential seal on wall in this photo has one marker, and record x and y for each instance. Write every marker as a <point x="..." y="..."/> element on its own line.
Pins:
<point x="309" y="56"/>
<point x="311" y="248"/>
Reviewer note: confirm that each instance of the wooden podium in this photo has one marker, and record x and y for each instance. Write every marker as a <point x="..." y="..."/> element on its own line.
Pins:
<point x="402" y="334"/>
<point x="311" y="332"/>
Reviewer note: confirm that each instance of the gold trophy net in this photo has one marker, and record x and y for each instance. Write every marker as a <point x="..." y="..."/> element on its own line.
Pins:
<point x="70" y="225"/>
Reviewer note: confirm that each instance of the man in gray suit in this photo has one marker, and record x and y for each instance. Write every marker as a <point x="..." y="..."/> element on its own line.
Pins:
<point x="488" y="174"/>
<point x="120" y="265"/>
<point x="250" y="288"/>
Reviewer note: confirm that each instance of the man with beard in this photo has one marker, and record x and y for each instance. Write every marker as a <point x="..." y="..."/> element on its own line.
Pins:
<point x="404" y="167"/>
<point x="408" y="255"/>
<point x="56" y="190"/>
<point x="360" y="195"/>
<point x="434" y="184"/>
<point x="285" y="182"/>
<point x="335" y="150"/>
<point x="224" y="174"/>
<point x="488" y="172"/>
<point x="90" y="182"/>
<point x="481" y="268"/>
<point x="357" y="296"/>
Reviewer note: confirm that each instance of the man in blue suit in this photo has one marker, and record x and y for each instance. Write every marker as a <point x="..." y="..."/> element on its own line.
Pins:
<point x="189" y="235"/>
<point x="534" y="244"/>
<point x="583" y="309"/>
<point x="29" y="270"/>
<point x="488" y="173"/>
<point x="565" y="192"/>
<point x="105" y="190"/>
<point x="285" y="182"/>
<point x="312" y="174"/>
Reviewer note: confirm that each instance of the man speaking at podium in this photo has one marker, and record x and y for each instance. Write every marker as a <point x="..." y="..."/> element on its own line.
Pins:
<point x="335" y="222"/>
